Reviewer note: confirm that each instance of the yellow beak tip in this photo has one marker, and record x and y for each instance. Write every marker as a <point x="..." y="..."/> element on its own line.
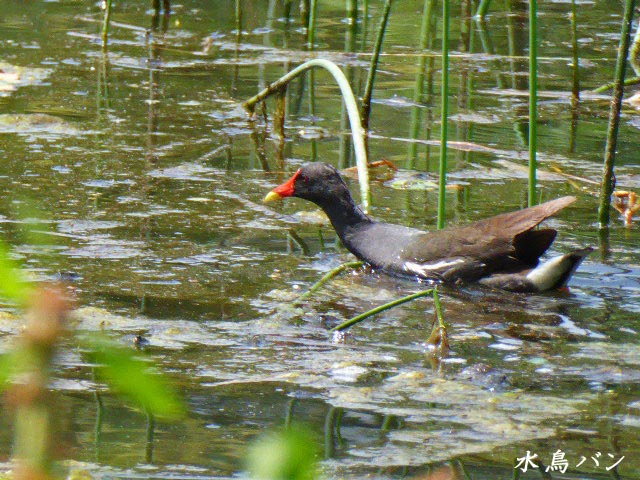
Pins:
<point x="271" y="197"/>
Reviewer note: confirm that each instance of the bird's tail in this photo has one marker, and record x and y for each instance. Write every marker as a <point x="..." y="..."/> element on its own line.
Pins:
<point x="551" y="275"/>
<point x="555" y="273"/>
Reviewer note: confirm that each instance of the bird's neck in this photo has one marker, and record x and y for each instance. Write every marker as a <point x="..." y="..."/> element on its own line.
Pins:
<point x="343" y="213"/>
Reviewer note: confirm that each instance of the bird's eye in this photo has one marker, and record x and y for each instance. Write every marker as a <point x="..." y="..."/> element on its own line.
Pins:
<point x="304" y="178"/>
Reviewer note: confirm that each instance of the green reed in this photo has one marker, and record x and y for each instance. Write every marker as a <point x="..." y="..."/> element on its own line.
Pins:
<point x="105" y="24"/>
<point x="418" y="89"/>
<point x="444" y="114"/>
<point x="357" y="132"/>
<point x="483" y="8"/>
<point x="533" y="100"/>
<point x="311" y="28"/>
<point x="575" y="84"/>
<point x="350" y="45"/>
<point x="368" y="89"/>
<point x="608" y="178"/>
<point x="381" y="308"/>
<point x="365" y="22"/>
<point x="238" y="18"/>
<point x="304" y="13"/>
<point x="328" y="276"/>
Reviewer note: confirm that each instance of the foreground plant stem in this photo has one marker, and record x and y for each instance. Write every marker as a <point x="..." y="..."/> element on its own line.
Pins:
<point x="33" y="442"/>
<point x="328" y="276"/>
<point x="381" y="308"/>
<point x="608" y="178"/>
<point x="357" y="132"/>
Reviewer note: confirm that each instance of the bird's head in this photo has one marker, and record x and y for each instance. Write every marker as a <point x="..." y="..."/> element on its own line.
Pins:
<point x="317" y="182"/>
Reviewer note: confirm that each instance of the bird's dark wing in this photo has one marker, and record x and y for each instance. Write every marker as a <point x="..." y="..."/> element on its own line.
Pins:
<point x="504" y="242"/>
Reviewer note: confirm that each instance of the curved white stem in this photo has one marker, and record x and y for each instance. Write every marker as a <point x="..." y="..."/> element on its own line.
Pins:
<point x="357" y="132"/>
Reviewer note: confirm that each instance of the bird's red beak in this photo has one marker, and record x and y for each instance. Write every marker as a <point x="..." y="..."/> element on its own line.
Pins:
<point x="285" y="190"/>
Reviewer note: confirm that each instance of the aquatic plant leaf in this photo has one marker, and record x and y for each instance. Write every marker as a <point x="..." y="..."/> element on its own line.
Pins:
<point x="132" y="377"/>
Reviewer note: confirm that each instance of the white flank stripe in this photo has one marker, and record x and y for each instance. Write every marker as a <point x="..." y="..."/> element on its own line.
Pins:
<point x="425" y="268"/>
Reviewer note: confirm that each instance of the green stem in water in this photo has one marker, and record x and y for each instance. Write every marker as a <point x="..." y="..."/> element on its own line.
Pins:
<point x="609" y="86"/>
<point x="439" y="337"/>
<point x="575" y="87"/>
<point x="608" y="178"/>
<point x="418" y="89"/>
<point x="365" y="22"/>
<point x="105" y="25"/>
<point x="368" y="89"/>
<point x="533" y="99"/>
<point x="438" y="308"/>
<point x="238" y="19"/>
<point x="381" y="308"/>
<point x="483" y="8"/>
<point x="311" y="31"/>
<point x="328" y="276"/>
<point x="357" y="132"/>
<point x="444" y="115"/>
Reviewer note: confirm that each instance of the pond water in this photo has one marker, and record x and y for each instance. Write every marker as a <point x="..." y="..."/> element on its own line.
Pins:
<point x="147" y="176"/>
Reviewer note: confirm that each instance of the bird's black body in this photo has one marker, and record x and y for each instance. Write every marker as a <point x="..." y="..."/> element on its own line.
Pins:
<point x="501" y="251"/>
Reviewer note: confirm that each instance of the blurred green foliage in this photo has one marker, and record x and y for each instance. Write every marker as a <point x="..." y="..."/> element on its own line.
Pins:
<point x="131" y="376"/>
<point x="288" y="454"/>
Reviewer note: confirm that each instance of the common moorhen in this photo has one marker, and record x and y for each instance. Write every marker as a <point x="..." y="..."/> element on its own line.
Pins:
<point x="501" y="251"/>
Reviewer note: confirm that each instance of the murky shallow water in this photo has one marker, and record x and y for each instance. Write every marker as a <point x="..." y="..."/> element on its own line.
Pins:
<point x="150" y="179"/>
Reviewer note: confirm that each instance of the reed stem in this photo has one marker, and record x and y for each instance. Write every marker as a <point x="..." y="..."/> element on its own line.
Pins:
<point x="368" y="89"/>
<point x="575" y="86"/>
<point x="608" y="86"/>
<point x="483" y="8"/>
<point x="444" y="115"/>
<point x="357" y="132"/>
<point x="311" y="31"/>
<point x="238" y="18"/>
<point x="533" y="100"/>
<point x="381" y="308"/>
<point x="105" y="25"/>
<point x="365" y="22"/>
<point x="328" y="276"/>
<point x="608" y="178"/>
<point x="418" y="89"/>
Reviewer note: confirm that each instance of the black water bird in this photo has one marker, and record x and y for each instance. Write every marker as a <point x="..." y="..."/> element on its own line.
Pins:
<point x="502" y="251"/>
